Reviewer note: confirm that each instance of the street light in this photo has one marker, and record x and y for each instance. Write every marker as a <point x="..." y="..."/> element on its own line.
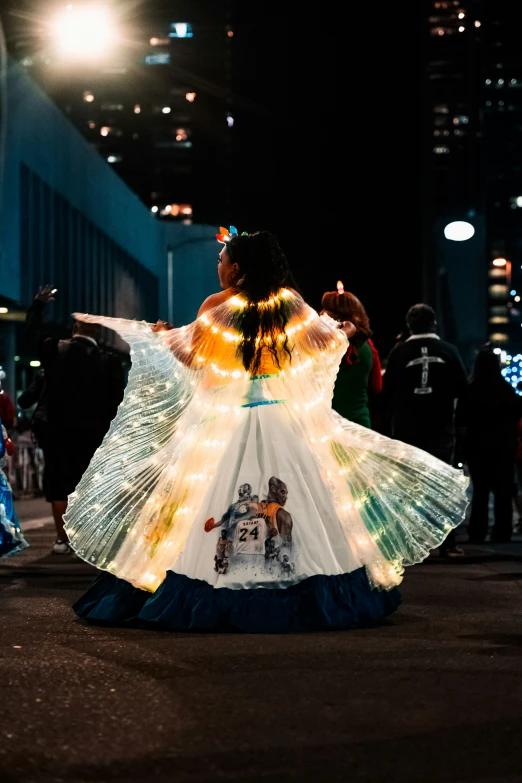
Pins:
<point x="83" y="32"/>
<point x="459" y="231"/>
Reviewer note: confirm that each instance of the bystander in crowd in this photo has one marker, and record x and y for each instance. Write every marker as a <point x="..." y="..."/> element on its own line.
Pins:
<point x="424" y="378"/>
<point x="76" y="399"/>
<point x="488" y="419"/>
<point x="359" y="379"/>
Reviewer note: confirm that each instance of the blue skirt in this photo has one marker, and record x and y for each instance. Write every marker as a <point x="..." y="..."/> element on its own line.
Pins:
<point x="317" y="603"/>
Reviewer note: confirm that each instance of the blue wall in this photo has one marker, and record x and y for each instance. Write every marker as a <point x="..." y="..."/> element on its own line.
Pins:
<point x="66" y="217"/>
<point x="41" y="138"/>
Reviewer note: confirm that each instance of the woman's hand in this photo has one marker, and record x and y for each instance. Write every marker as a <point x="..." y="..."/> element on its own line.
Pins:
<point x="161" y="326"/>
<point x="348" y="328"/>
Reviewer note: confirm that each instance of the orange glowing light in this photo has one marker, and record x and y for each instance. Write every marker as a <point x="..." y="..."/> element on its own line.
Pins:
<point x="340" y="287"/>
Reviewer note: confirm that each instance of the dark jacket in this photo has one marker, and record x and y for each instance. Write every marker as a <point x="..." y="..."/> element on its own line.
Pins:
<point x="424" y="377"/>
<point x="84" y="384"/>
<point x="487" y="421"/>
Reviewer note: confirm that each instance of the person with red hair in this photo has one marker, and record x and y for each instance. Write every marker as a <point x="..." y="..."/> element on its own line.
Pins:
<point x="359" y="380"/>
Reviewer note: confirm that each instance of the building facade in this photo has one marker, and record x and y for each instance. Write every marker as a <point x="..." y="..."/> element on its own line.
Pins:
<point x="155" y="101"/>
<point x="68" y="219"/>
<point x="473" y="170"/>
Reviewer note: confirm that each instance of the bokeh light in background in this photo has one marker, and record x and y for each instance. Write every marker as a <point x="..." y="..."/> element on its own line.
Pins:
<point x="511" y="369"/>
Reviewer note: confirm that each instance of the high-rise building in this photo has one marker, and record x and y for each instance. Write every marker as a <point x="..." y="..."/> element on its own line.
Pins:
<point x="473" y="169"/>
<point x="148" y="85"/>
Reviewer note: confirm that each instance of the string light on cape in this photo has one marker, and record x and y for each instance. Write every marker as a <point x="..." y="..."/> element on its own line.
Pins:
<point x="226" y="234"/>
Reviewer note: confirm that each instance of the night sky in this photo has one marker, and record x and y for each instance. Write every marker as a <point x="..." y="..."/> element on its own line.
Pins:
<point x="334" y="166"/>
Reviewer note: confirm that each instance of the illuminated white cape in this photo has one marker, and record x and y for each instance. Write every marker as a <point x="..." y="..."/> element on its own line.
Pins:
<point x="194" y="429"/>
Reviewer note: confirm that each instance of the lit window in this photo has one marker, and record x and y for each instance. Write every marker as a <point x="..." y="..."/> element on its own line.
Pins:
<point x="441" y="150"/>
<point x="477" y="23"/>
<point x="461" y="119"/>
<point x="166" y="110"/>
<point x="500" y="82"/>
<point x="462" y="15"/>
<point x="488" y="103"/>
<point x="159" y="41"/>
<point x="107" y="130"/>
<point x="441" y="108"/>
<point x="92" y="125"/>
<point x="498" y="291"/>
<point x="230" y="33"/>
<point x="190" y="96"/>
<point x="461" y="29"/>
<point x="459" y="132"/>
<point x="181" y="30"/>
<point x="88" y="96"/>
<point x="114" y="158"/>
<point x="488" y="82"/>
<point x="230" y="121"/>
<point x="162" y="58"/>
<point x="182" y="134"/>
<point x="154" y="209"/>
<point x="173" y="210"/>
<point x="112" y="107"/>
<point x="137" y="109"/>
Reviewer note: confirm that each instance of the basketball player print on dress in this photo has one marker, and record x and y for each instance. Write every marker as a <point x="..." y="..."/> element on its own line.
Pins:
<point x="254" y="528"/>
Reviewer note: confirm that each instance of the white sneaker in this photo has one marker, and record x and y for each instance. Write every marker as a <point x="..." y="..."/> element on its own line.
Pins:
<point x="62" y="548"/>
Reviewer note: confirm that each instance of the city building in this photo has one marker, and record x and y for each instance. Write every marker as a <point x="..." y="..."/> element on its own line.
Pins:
<point x="473" y="170"/>
<point x="149" y="85"/>
<point x="67" y="218"/>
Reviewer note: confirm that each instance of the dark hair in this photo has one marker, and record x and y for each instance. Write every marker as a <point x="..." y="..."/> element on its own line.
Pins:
<point x="86" y="329"/>
<point x="347" y="307"/>
<point x="263" y="272"/>
<point x="421" y="318"/>
<point x="486" y="370"/>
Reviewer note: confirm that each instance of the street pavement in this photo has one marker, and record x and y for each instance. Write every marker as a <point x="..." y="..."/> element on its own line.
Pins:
<point x="432" y="696"/>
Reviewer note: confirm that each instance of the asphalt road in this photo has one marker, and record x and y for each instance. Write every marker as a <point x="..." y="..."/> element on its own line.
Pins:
<point x="433" y="696"/>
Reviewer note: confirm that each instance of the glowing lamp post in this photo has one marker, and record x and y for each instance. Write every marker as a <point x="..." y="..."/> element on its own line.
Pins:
<point x="83" y="32"/>
<point x="459" y="231"/>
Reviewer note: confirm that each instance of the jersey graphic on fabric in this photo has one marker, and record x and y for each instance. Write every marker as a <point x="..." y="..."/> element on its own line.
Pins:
<point x="250" y="537"/>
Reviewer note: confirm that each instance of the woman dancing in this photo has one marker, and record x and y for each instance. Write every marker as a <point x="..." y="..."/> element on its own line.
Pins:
<point x="228" y="495"/>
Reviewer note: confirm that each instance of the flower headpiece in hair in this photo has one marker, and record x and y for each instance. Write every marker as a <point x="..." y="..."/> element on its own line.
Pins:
<point x="226" y="234"/>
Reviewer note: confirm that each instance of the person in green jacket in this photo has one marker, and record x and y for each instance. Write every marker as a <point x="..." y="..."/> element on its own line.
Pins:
<point x="360" y="378"/>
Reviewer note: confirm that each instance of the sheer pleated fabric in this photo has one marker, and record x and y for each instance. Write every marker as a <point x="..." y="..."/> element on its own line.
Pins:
<point x="187" y="400"/>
